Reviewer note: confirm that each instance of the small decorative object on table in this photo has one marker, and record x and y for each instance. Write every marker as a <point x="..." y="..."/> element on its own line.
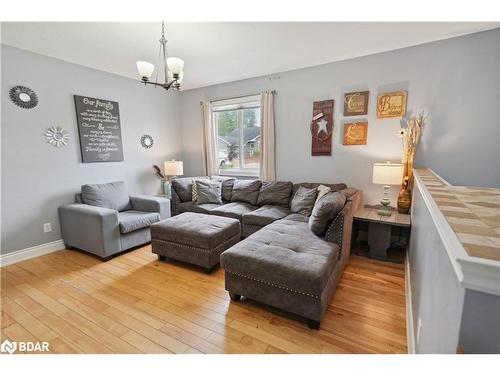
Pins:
<point x="173" y="168"/>
<point x="386" y="174"/>
<point x="410" y="133"/>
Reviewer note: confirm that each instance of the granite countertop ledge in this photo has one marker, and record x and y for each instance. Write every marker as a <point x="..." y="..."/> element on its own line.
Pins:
<point x="472" y="216"/>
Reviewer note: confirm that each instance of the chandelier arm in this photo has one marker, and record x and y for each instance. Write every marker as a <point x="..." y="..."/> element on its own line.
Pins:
<point x="166" y="85"/>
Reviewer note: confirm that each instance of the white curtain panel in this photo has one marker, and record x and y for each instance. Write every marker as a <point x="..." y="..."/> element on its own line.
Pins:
<point x="267" y="137"/>
<point x="209" y="141"/>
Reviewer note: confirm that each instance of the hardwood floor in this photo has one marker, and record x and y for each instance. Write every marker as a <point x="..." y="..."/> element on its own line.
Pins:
<point x="137" y="304"/>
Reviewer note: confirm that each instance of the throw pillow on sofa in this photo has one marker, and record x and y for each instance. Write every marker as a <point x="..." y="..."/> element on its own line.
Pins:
<point x="324" y="211"/>
<point x="227" y="186"/>
<point x="276" y="193"/>
<point x="303" y="201"/>
<point x="246" y="191"/>
<point x="194" y="188"/>
<point x="111" y="195"/>
<point x="208" y="191"/>
<point x="322" y="190"/>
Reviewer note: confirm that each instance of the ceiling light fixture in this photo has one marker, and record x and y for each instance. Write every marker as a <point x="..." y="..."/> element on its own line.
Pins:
<point x="172" y="67"/>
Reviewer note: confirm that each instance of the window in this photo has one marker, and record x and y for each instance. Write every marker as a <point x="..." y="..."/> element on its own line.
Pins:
<point x="237" y="126"/>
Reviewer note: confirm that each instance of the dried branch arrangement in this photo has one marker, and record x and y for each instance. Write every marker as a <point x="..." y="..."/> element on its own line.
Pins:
<point x="159" y="173"/>
<point x="410" y="133"/>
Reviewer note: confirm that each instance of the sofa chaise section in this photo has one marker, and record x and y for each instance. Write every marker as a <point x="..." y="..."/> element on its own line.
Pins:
<point x="287" y="266"/>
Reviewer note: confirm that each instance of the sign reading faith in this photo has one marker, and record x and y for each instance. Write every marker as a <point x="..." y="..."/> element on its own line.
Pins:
<point x="99" y="129"/>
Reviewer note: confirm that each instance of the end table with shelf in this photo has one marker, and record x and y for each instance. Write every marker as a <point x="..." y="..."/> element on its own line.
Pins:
<point x="380" y="230"/>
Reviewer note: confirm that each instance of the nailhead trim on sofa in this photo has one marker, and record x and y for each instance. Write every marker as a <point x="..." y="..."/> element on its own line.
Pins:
<point x="208" y="251"/>
<point x="340" y="232"/>
<point x="273" y="285"/>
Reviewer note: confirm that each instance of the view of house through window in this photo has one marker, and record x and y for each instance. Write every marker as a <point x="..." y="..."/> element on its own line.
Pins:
<point x="238" y="137"/>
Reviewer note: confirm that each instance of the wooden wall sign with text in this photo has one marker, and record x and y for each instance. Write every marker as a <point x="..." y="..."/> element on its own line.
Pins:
<point x="322" y="128"/>
<point x="391" y="104"/>
<point x="356" y="103"/>
<point x="99" y="129"/>
<point x="355" y="133"/>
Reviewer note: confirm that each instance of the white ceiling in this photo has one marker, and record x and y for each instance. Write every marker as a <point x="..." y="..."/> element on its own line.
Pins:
<point x="223" y="52"/>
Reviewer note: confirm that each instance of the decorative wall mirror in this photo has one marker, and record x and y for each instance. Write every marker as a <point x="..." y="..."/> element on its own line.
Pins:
<point x="23" y="97"/>
<point x="147" y="141"/>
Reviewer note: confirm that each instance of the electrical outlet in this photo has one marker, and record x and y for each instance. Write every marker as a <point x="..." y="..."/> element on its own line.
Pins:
<point x="47" y="228"/>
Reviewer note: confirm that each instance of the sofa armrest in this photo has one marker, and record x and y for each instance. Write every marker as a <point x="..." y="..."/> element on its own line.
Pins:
<point x="151" y="204"/>
<point x="340" y="230"/>
<point x="90" y="228"/>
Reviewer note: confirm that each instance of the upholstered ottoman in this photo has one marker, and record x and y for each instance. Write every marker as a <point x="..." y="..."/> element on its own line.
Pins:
<point x="194" y="238"/>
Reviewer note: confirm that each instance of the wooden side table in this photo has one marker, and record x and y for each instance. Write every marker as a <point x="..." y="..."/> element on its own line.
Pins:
<point x="379" y="229"/>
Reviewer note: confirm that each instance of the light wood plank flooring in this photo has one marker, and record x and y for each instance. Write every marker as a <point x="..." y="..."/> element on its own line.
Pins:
<point x="137" y="304"/>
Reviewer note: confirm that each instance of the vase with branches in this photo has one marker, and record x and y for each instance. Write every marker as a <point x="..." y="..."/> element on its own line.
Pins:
<point x="411" y="130"/>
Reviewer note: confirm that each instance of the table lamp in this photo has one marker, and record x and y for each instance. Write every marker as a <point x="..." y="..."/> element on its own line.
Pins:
<point x="387" y="174"/>
<point x="172" y="168"/>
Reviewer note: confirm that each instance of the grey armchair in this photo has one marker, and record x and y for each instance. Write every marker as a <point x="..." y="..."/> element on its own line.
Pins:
<point x="105" y="220"/>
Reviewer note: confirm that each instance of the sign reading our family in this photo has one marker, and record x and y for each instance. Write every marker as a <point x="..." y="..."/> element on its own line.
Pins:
<point x="99" y="129"/>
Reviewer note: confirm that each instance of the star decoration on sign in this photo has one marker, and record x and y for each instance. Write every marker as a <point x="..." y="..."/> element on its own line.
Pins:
<point x="322" y="126"/>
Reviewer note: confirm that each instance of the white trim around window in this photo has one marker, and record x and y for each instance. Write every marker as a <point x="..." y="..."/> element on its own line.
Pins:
<point x="224" y="159"/>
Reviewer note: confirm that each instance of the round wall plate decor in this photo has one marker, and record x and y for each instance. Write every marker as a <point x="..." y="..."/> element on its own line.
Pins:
<point x="147" y="141"/>
<point x="57" y="136"/>
<point x="23" y="97"/>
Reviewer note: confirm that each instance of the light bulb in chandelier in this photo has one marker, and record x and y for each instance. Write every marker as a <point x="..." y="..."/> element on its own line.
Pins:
<point x="175" y="65"/>
<point x="145" y="69"/>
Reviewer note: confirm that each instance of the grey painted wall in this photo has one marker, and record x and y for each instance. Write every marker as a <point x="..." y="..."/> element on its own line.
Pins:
<point x="480" y="333"/>
<point x="456" y="81"/>
<point x="437" y="297"/>
<point x="36" y="177"/>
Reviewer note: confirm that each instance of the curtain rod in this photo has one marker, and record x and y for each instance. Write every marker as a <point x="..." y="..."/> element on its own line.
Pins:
<point x="237" y="97"/>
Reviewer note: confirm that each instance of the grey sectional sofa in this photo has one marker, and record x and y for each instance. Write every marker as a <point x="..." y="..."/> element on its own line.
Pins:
<point x="280" y="261"/>
<point x="105" y="220"/>
<point x="252" y="217"/>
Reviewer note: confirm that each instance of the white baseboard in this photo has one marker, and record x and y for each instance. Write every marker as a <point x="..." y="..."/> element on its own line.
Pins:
<point x="410" y="335"/>
<point x="31" y="252"/>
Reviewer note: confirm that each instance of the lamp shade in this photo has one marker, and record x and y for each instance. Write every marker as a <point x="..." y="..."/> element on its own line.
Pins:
<point x="145" y="69"/>
<point x="387" y="173"/>
<point x="174" y="168"/>
<point x="175" y="65"/>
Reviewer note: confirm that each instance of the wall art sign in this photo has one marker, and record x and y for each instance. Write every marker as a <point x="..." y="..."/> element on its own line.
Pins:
<point x="355" y="133"/>
<point x="356" y="103"/>
<point x="322" y="128"/>
<point x="99" y="129"/>
<point x="392" y="104"/>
